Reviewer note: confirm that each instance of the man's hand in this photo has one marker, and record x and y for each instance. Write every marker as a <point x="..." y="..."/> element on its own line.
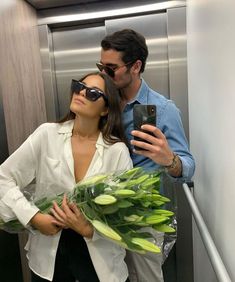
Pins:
<point x="157" y="149"/>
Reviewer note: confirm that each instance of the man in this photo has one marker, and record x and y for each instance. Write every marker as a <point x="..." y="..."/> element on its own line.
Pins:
<point x="123" y="57"/>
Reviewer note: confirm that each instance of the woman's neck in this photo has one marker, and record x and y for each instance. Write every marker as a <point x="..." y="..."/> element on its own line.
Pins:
<point x="85" y="131"/>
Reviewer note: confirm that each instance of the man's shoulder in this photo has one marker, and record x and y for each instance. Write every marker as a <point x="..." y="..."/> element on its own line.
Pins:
<point x="164" y="105"/>
<point x="157" y="99"/>
<point x="152" y="96"/>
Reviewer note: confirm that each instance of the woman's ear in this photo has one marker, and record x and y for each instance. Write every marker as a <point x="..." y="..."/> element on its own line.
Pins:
<point x="104" y="113"/>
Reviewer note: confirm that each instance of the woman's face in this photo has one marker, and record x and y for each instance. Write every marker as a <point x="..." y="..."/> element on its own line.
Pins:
<point x="82" y="106"/>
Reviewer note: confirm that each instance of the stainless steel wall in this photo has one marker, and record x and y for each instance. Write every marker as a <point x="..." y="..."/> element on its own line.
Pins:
<point x="71" y="46"/>
<point x="77" y="48"/>
<point x="154" y="29"/>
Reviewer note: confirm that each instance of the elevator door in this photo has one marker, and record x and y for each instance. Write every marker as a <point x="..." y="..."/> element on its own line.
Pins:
<point x="77" y="49"/>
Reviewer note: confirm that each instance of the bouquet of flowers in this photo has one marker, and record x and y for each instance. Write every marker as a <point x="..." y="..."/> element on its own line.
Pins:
<point x="119" y="206"/>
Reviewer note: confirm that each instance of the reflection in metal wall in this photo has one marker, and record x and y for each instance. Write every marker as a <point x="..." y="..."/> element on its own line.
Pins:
<point x="75" y="52"/>
<point x="77" y="48"/>
<point x="154" y="29"/>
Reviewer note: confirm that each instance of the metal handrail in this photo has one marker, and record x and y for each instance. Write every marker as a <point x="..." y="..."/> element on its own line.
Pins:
<point x="216" y="261"/>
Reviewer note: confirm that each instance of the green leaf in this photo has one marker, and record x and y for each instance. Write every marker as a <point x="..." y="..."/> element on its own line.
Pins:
<point x="144" y="235"/>
<point x="164" y="199"/>
<point x="110" y="209"/>
<point x="124" y="204"/>
<point x="151" y="182"/>
<point x="158" y="203"/>
<point x="130" y="173"/>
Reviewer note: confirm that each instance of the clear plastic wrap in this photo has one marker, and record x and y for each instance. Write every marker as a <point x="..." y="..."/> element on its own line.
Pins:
<point x="125" y="207"/>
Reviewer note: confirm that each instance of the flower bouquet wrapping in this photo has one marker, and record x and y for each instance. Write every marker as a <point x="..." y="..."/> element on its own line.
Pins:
<point x="119" y="206"/>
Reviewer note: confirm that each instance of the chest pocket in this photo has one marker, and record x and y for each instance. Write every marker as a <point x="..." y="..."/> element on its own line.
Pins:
<point x="50" y="175"/>
<point x="49" y="182"/>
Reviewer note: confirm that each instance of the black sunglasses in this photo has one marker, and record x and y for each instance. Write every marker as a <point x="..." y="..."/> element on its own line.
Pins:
<point x="110" y="70"/>
<point x="91" y="94"/>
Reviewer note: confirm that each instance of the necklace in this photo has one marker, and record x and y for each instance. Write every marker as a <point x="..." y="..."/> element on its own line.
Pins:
<point x="91" y="137"/>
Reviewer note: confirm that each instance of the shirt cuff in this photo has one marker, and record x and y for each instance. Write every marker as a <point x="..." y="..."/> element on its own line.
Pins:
<point x="19" y="205"/>
<point x="6" y="214"/>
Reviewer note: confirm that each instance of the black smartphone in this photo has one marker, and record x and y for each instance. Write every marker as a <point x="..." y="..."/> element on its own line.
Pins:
<point x="143" y="114"/>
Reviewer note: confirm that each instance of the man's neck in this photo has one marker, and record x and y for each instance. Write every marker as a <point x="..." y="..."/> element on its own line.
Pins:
<point x="130" y="92"/>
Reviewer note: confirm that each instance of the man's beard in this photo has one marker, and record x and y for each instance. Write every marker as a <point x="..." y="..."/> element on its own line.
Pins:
<point x="126" y="84"/>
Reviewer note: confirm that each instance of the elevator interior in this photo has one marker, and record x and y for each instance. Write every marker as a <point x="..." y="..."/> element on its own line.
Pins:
<point x="70" y="46"/>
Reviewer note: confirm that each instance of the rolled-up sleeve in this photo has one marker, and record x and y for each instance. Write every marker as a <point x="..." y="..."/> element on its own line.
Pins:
<point x="16" y="173"/>
<point x="173" y="130"/>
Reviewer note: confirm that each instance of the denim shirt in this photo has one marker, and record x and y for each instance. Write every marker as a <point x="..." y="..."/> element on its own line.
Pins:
<point x="169" y="122"/>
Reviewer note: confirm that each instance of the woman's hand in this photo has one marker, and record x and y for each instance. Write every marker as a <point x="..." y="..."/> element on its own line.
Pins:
<point x="45" y="223"/>
<point x="70" y="216"/>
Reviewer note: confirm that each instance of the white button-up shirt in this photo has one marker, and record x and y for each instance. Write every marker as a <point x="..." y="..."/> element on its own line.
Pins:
<point x="46" y="157"/>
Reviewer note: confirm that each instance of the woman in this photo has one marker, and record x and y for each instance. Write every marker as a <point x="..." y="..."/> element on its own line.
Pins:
<point x="64" y="247"/>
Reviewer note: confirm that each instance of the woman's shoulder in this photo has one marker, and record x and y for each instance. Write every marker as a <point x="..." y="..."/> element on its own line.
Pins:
<point x="47" y="130"/>
<point x="118" y="148"/>
<point x="55" y="126"/>
<point x="47" y="126"/>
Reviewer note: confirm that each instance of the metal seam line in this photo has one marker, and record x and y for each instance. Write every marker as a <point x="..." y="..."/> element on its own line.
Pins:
<point x="213" y="254"/>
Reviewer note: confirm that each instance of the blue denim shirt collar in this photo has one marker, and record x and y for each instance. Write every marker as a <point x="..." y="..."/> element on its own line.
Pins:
<point x="141" y="97"/>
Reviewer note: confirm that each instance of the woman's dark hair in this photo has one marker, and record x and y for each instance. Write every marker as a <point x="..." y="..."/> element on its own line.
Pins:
<point x="110" y="125"/>
<point x="131" y="43"/>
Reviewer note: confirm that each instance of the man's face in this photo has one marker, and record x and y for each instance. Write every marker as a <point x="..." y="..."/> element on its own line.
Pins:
<point x="121" y="72"/>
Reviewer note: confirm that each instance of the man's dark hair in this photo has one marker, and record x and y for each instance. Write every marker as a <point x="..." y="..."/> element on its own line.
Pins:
<point x="131" y="43"/>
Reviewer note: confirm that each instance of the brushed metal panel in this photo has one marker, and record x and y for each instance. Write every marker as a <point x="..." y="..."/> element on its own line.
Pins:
<point x="104" y="10"/>
<point x="76" y="50"/>
<point x="154" y="29"/>
<point x="177" y="48"/>
<point x="177" y="52"/>
<point x="48" y="72"/>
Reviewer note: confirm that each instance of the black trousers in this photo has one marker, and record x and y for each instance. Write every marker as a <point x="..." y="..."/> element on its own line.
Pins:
<point x="73" y="261"/>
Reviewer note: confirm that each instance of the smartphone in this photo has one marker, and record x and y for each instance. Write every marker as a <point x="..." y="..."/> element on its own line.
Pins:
<point x="143" y="114"/>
